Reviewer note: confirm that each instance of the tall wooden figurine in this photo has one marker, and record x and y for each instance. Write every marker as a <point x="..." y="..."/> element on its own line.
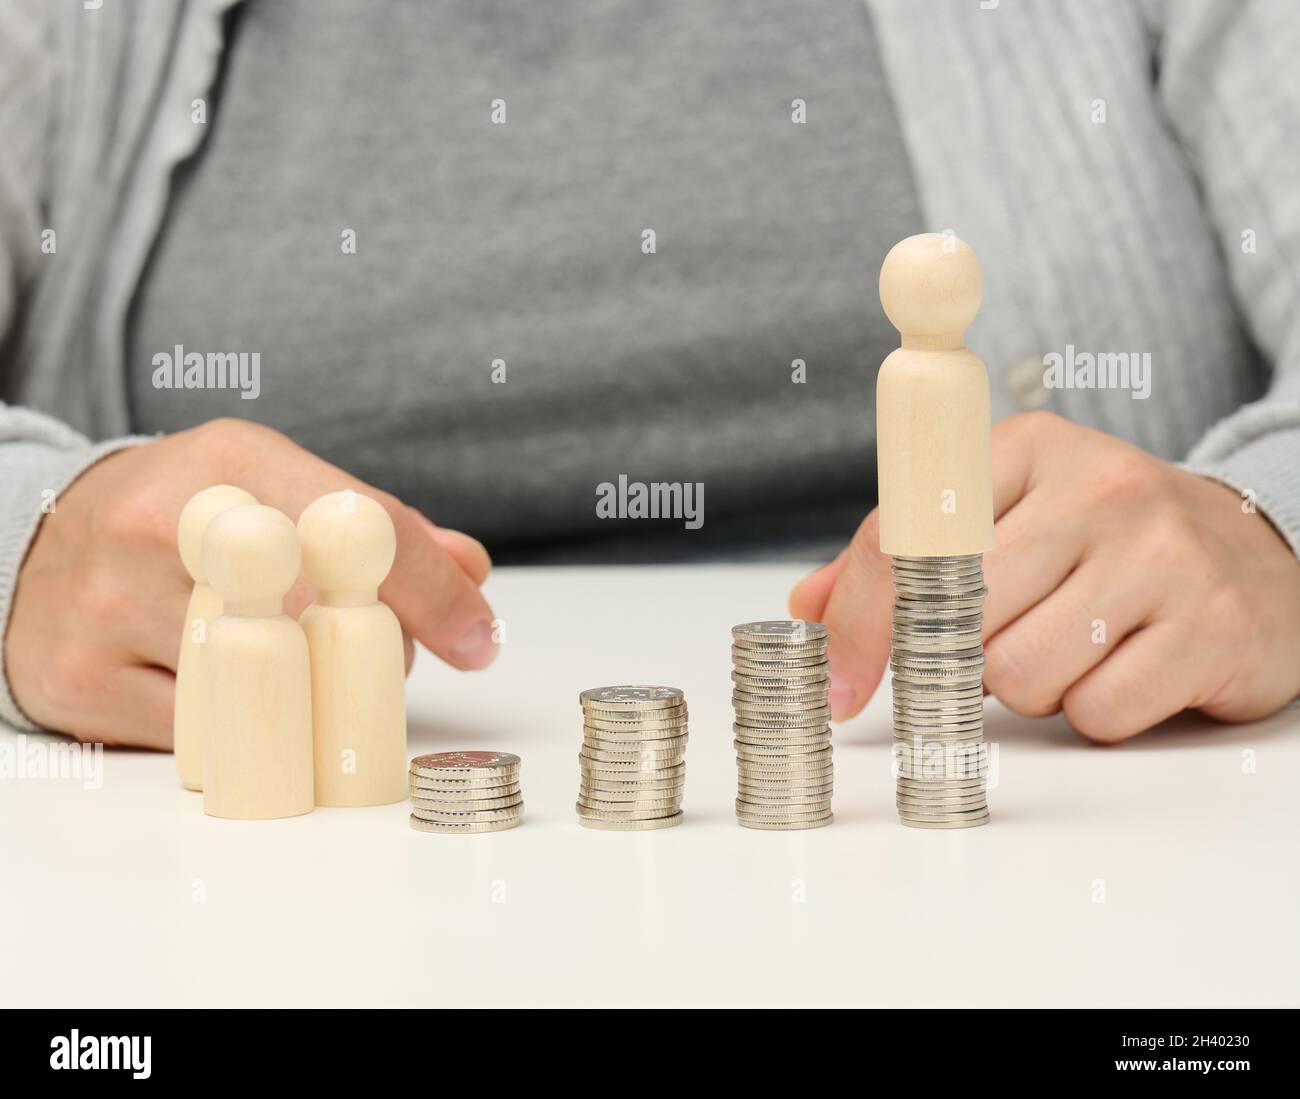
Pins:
<point x="357" y="660"/>
<point x="257" y="758"/>
<point x="203" y="609"/>
<point x="936" y="522"/>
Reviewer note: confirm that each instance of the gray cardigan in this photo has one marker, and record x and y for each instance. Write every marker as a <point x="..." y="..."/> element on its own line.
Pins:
<point x="1192" y="182"/>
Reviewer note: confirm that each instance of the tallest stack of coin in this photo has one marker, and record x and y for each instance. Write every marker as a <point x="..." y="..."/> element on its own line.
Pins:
<point x="938" y="664"/>
<point x="783" y="735"/>
<point x="633" y="758"/>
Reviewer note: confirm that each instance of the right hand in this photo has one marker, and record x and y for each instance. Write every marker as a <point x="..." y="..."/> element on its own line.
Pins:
<point x="95" y="627"/>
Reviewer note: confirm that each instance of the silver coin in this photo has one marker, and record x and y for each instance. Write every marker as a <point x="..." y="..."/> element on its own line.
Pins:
<point x="924" y="775"/>
<point x="808" y="780"/>
<point x="634" y="733"/>
<point x="805" y="719"/>
<point x="600" y="793"/>
<point x="464" y="818"/>
<point x="816" y="758"/>
<point x="463" y="829"/>
<point x="778" y="733"/>
<point x="938" y="715"/>
<point x="645" y="810"/>
<point x="921" y="739"/>
<point x="820" y="738"/>
<point x="614" y="771"/>
<point x="786" y="807"/>
<point x="639" y="813"/>
<point x="592" y="770"/>
<point x="665" y="715"/>
<point x="965" y="812"/>
<point x="940" y="804"/>
<point x="972" y="823"/>
<point x="779" y="632"/>
<point x="463" y="806"/>
<point x="464" y="765"/>
<point x="771" y="682"/>
<point x="626" y="753"/>
<point x="426" y="788"/>
<point x="747" y="706"/>
<point x="777" y="663"/>
<point x="764" y="753"/>
<point x="615" y="798"/>
<point x="812" y="805"/>
<point x="937" y="697"/>
<point x="664" y="766"/>
<point x="630" y="825"/>
<point x="788" y="812"/>
<point x="746" y="683"/>
<point x="748" y="701"/>
<point x="631" y="697"/>
<point x="786" y="765"/>
<point x="785" y="825"/>
<point x="959" y="784"/>
<point x="751" y="769"/>
<point x="778" y="785"/>
<point x="615" y="786"/>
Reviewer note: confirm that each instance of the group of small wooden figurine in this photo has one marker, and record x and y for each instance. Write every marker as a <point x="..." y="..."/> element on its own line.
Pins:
<point x="275" y="716"/>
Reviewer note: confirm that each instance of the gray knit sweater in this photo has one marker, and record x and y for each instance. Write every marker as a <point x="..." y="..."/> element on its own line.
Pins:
<point x="1036" y="129"/>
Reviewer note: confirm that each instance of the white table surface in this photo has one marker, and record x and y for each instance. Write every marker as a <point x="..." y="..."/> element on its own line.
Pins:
<point x="1197" y="857"/>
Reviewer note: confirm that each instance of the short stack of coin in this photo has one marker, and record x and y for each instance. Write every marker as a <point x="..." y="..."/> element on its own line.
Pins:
<point x="633" y="758"/>
<point x="783" y="735"/>
<point x="937" y="659"/>
<point x="463" y="792"/>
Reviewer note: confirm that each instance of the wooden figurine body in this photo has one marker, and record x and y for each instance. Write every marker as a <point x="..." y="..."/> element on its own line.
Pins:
<point x="204" y="608"/>
<point x="257" y="759"/>
<point x="358" y="661"/>
<point x="932" y="405"/>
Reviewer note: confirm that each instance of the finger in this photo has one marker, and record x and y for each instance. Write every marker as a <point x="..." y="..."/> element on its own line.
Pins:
<point x="809" y="598"/>
<point x="151" y="619"/>
<point x="135" y="710"/>
<point x="1033" y="662"/>
<point x="1036" y="545"/>
<point x="857" y="618"/>
<point x="1152" y="675"/>
<point x="1013" y="454"/>
<point x="408" y="650"/>
<point x="469" y="553"/>
<point x="435" y="600"/>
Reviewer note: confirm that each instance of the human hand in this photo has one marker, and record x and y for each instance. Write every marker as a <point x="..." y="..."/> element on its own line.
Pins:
<point x="1122" y="590"/>
<point x="95" y="626"/>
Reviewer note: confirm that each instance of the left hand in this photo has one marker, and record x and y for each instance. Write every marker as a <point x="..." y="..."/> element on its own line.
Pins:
<point x="1122" y="590"/>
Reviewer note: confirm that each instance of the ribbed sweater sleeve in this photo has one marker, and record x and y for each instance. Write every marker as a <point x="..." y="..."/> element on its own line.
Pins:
<point x="39" y="458"/>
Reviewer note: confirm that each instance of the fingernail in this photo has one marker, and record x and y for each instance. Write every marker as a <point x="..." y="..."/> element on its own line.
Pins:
<point x="476" y="647"/>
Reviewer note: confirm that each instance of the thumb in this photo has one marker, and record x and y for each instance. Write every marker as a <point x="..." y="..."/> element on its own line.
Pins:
<point x="858" y="620"/>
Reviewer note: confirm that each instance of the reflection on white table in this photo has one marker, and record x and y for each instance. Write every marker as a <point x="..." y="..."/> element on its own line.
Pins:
<point x="1159" y="872"/>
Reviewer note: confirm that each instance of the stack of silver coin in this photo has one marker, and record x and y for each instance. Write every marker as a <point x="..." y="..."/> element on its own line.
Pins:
<point x="633" y="758"/>
<point x="940" y="758"/>
<point x="782" y="729"/>
<point x="464" y="792"/>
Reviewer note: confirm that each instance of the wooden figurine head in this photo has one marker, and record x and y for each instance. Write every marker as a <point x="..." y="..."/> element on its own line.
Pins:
<point x="202" y="508"/>
<point x="251" y="555"/>
<point x="930" y="288"/>
<point x="348" y="543"/>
